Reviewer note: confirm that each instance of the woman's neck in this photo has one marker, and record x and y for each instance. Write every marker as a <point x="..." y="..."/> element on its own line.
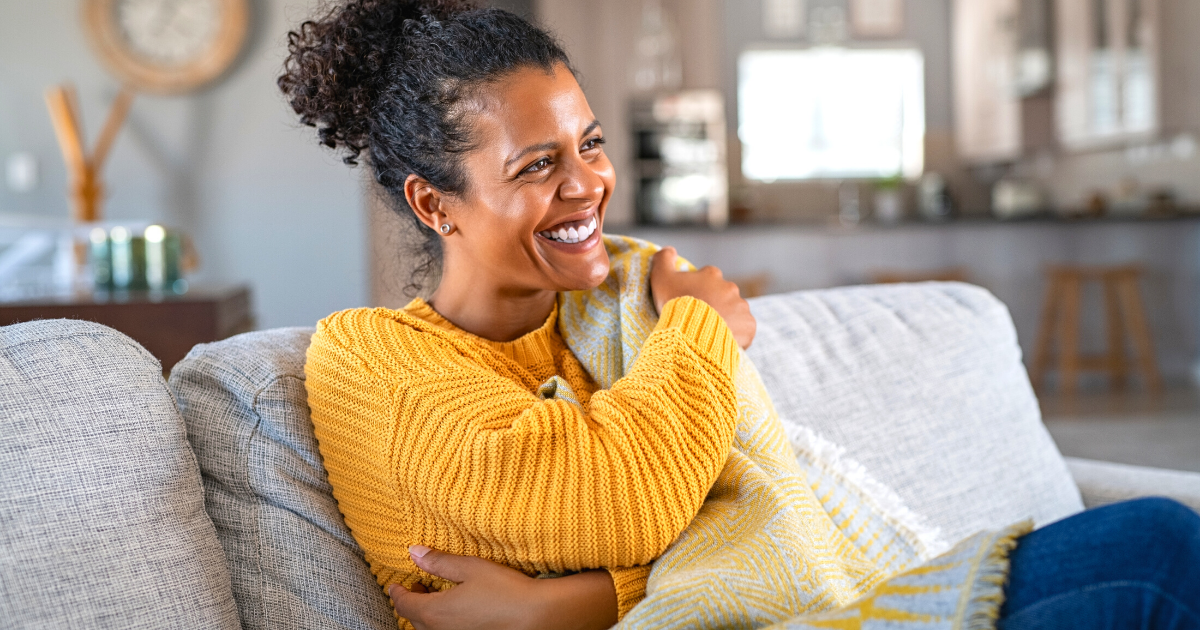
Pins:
<point x="492" y="314"/>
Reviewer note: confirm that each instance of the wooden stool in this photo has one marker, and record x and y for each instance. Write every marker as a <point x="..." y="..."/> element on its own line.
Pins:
<point x="1125" y="319"/>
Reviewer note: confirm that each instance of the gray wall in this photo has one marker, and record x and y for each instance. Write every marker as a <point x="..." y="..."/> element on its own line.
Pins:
<point x="523" y="8"/>
<point x="230" y="165"/>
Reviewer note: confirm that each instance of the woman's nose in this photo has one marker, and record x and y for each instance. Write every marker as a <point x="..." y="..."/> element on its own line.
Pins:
<point x="582" y="182"/>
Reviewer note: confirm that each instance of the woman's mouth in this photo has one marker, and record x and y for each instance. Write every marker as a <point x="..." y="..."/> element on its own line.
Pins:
<point x="571" y="231"/>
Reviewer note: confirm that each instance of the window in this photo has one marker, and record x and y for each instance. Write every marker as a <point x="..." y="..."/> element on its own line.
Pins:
<point x="831" y="113"/>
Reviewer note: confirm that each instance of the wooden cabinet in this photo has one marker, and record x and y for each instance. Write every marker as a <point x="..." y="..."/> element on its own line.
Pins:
<point x="987" y="107"/>
<point x="1107" y="83"/>
<point x="166" y="325"/>
<point x="1105" y="66"/>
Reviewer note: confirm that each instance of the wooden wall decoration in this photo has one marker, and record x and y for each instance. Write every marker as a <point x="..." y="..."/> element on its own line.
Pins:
<point x="166" y="46"/>
<point x="84" y="168"/>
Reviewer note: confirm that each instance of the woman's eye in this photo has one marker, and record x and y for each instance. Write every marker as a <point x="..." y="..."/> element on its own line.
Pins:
<point x="539" y="165"/>
<point x="592" y="143"/>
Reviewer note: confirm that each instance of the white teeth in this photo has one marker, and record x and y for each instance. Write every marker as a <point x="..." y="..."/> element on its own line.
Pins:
<point x="573" y="234"/>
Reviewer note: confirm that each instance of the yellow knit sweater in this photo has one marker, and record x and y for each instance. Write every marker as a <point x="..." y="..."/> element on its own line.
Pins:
<point x="507" y="451"/>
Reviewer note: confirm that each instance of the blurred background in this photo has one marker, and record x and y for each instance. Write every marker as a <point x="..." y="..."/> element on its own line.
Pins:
<point x="1046" y="150"/>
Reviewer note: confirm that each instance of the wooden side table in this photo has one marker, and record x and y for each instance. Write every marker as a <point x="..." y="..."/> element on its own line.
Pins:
<point x="167" y="325"/>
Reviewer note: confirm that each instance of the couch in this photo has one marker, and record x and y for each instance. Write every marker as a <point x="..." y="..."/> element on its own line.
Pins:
<point x="128" y="501"/>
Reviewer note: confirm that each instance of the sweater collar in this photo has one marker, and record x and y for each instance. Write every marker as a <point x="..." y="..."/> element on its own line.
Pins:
<point x="536" y="345"/>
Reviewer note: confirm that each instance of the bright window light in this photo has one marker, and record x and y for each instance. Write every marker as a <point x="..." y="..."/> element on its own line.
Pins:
<point x="831" y="113"/>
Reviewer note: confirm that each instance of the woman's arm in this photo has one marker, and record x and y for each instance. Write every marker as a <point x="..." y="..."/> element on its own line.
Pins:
<point x="465" y="443"/>
<point x="638" y="458"/>
<point x="493" y="596"/>
<point x="429" y="437"/>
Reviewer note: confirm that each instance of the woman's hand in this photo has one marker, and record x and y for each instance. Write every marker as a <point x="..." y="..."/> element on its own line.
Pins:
<point x="490" y="595"/>
<point x="706" y="284"/>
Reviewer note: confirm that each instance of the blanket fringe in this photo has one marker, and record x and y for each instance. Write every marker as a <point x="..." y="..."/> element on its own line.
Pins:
<point x="831" y="459"/>
<point x="987" y="593"/>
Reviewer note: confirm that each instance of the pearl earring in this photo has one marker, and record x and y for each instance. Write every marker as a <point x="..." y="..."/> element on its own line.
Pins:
<point x="445" y="228"/>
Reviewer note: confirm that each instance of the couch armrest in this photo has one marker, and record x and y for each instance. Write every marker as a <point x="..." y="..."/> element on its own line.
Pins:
<point x="1102" y="483"/>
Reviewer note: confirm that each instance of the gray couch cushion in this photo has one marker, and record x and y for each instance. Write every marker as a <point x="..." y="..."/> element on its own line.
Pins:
<point x="102" y="521"/>
<point x="293" y="560"/>
<point x="923" y="386"/>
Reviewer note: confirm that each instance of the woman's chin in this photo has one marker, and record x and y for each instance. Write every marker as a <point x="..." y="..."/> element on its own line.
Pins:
<point x="587" y="276"/>
<point x="578" y="266"/>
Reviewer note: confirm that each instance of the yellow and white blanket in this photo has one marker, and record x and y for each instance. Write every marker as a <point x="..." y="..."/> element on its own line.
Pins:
<point x="783" y="540"/>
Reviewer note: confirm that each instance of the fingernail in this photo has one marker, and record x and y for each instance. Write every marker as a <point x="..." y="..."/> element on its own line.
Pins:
<point x="418" y="550"/>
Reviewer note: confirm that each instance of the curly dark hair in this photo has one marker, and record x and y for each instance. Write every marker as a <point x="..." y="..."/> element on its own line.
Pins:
<point x="386" y="79"/>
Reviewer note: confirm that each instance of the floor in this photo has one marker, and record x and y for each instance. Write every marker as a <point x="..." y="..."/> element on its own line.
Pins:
<point x="1131" y="427"/>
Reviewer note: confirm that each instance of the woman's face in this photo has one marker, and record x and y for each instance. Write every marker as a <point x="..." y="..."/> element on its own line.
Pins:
<point x="538" y="184"/>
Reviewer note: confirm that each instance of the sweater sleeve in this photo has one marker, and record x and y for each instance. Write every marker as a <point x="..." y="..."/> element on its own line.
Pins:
<point x="544" y="484"/>
<point x="630" y="584"/>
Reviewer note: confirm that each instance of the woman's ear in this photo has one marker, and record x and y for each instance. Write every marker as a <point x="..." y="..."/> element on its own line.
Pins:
<point x="426" y="202"/>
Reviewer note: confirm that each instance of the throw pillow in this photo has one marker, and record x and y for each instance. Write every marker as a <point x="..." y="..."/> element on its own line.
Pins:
<point x="294" y="562"/>
<point x="102" y="521"/>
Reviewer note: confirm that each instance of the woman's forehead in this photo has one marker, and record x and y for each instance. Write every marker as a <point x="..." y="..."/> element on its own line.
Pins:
<point x="533" y="106"/>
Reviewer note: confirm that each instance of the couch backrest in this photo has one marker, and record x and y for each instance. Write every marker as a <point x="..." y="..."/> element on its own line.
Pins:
<point x="293" y="561"/>
<point x="102" y="521"/>
<point x="923" y="386"/>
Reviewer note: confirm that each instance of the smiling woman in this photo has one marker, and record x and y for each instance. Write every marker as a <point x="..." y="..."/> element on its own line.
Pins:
<point x="574" y="405"/>
<point x="465" y="423"/>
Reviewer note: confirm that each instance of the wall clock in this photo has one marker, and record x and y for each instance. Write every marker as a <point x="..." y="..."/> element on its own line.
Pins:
<point x="166" y="46"/>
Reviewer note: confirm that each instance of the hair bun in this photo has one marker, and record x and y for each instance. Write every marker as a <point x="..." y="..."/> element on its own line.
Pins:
<point x="337" y="64"/>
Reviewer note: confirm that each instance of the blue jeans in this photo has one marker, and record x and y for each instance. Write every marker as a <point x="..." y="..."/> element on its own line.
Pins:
<point x="1128" y="565"/>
